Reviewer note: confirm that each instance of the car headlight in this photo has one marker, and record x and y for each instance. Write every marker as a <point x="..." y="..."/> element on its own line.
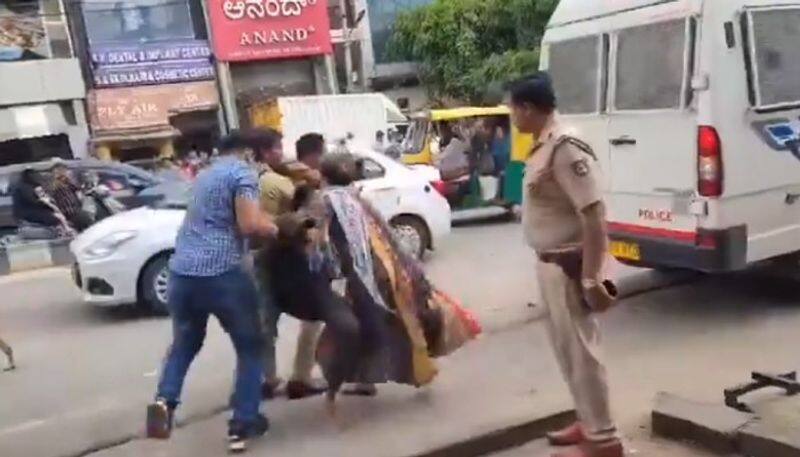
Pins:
<point x="106" y="246"/>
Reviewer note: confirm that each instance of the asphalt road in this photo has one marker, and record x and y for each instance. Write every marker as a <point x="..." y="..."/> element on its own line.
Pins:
<point x="85" y="373"/>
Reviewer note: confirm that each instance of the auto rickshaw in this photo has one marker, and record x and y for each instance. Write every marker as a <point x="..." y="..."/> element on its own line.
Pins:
<point x="420" y="146"/>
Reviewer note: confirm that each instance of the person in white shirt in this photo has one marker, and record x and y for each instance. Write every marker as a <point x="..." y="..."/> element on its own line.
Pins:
<point x="380" y="142"/>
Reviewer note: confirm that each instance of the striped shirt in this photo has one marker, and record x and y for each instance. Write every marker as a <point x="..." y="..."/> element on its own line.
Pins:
<point x="65" y="195"/>
<point x="209" y="242"/>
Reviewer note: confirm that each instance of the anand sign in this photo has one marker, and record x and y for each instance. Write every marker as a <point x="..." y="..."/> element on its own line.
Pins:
<point x="269" y="29"/>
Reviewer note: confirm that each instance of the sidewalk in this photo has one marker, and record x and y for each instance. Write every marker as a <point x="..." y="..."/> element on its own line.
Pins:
<point x="501" y="383"/>
<point x="486" y="387"/>
<point x="644" y="448"/>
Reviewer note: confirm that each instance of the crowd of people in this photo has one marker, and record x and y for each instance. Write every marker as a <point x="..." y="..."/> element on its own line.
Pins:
<point x="389" y="143"/>
<point x="263" y="238"/>
<point x="325" y="256"/>
<point x="473" y="150"/>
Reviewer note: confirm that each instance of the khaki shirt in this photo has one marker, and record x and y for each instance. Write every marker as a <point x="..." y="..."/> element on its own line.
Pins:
<point x="277" y="192"/>
<point x="561" y="180"/>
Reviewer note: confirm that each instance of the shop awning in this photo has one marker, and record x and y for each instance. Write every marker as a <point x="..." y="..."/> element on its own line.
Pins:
<point x="123" y="137"/>
<point x="23" y="122"/>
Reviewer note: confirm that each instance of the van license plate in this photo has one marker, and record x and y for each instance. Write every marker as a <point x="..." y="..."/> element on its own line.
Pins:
<point x="625" y="251"/>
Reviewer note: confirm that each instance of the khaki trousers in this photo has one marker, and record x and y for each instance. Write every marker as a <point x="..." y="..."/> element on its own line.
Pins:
<point x="575" y="337"/>
<point x="305" y="358"/>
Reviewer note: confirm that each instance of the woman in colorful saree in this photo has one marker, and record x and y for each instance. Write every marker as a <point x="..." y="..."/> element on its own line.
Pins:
<point x="404" y="321"/>
<point x="390" y="323"/>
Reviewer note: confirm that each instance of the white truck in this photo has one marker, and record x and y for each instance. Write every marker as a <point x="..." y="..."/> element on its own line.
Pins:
<point x="336" y="116"/>
<point x="693" y="108"/>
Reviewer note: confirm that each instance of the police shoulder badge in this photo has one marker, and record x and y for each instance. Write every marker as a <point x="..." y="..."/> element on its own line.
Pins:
<point x="580" y="168"/>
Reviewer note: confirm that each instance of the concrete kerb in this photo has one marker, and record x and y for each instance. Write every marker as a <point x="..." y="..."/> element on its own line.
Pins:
<point x="34" y="255"/>
<point x="721" y="429"/>
<point x="759" y="440"/>
<point x="111" y="442"/>
<point x="714" y="427"/>
<point x="507" y="438"/>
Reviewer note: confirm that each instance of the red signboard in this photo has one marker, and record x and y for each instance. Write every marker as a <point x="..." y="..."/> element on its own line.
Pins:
<point x="269" y="29"/>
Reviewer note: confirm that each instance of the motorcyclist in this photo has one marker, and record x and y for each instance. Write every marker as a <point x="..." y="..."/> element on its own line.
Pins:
<point x="37" y="216"/>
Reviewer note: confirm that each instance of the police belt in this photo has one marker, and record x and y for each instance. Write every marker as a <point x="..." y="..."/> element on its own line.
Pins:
<point x="570" y="259"/>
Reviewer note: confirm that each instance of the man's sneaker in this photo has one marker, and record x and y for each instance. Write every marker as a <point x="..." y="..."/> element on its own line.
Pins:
<point x="159" y="420"/>
<point x="239" y="433"/>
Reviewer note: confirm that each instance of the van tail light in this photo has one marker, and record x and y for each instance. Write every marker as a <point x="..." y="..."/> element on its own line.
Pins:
<point x="440" y="187"/>
<point x="709" y="162"/>
<point x="706" y="240"/>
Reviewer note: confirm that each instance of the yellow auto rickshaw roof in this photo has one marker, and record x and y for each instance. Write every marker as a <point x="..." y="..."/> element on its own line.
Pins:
<point x="464" y="112"/>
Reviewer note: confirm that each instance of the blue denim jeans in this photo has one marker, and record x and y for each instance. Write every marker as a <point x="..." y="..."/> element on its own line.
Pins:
<point x="231" y="298"/>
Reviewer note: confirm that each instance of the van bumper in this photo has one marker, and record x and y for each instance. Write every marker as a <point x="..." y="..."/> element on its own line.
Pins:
<point x="713" y="251"/>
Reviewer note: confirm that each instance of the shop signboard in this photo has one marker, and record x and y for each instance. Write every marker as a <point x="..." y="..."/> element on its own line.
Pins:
<point x="150" y="64"/>
<point x="246" y="30"/>
<point x="149" y="107"/>
<point x="130" y="54"/>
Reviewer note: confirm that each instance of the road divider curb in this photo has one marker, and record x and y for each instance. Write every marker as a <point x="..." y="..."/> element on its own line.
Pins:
<point x="34" y="255"/>
<point x="723" y="430"/>
<point x="505" y="438"/>
<point x="712" y="426"/>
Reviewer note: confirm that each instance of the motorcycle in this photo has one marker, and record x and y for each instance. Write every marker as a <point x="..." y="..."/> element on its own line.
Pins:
<point x="99" y="203"/>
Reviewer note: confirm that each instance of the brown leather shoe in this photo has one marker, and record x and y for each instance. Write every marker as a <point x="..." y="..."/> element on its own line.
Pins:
<point x="570" y="436"/>
<point x="297" y="390"/>
<point x="611" y="448"/>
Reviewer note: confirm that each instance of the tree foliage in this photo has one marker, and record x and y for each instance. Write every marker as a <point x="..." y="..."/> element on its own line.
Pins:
<point x="467" y="49"/>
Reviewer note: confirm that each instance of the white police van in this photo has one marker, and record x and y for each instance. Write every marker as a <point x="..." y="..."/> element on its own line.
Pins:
<point x="693" y="108"/>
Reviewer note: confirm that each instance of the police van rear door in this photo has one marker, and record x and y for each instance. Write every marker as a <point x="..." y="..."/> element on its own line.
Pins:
<point x="653" y="130"/>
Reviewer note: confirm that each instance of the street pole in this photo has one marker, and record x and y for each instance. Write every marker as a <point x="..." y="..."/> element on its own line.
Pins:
<point x="330" y="73"/>
<point x="227" y="115"/>
<point x="348" y="56"/>
<point x="227" y="97"/>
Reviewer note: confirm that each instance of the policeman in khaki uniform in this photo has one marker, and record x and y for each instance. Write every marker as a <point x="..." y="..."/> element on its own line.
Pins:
<point x="564" y="222"/>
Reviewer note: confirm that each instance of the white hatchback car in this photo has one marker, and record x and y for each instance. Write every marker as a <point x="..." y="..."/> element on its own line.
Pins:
<point x="123" y="259"/>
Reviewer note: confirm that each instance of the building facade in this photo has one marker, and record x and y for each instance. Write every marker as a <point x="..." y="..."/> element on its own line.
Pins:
<point x="267" y="49"/>
<point x="395" y="78"/>
<point x="152" y="86"/>
<point x="41" y="87"/>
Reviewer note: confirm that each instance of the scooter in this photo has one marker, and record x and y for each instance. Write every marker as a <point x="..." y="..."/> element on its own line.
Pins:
<point x="99" y="203"/>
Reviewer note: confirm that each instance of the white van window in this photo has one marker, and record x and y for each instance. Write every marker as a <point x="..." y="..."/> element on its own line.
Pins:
<point x="650" y="66"/>
<point x="776" y="52"/>
<point x="574" y="67"/>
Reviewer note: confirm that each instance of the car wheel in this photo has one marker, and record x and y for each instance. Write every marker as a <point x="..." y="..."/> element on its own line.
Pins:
<point x="412" y="235"/>
<point x="153" y="286"/>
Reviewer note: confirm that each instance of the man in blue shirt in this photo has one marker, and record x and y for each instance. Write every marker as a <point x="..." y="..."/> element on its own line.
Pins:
<point x="208" y="278"/>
